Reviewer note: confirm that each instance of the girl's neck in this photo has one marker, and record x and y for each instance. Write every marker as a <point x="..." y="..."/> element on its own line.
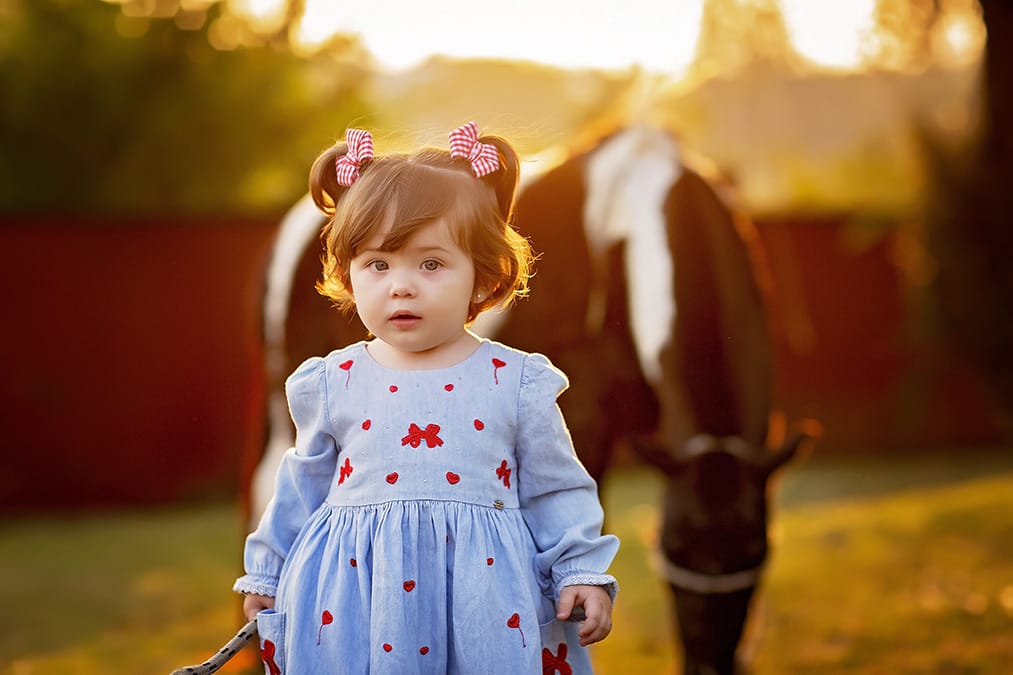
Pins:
<point x="443" y="356"/>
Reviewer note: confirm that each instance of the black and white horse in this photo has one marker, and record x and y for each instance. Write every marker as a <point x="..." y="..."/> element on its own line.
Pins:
<point x="648" y="295"/>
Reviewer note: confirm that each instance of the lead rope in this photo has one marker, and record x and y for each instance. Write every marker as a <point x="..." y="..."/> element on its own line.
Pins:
<point x="224" y="654"/>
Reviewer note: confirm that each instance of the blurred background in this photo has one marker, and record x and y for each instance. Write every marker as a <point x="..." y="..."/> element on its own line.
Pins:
<point x="149" y="148"/>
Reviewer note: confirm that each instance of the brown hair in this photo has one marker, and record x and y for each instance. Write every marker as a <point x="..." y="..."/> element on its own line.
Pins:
<point x="411" y="191"/>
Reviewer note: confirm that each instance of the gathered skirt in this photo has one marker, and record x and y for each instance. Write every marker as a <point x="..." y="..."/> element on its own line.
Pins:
<point x="420" y="586"/>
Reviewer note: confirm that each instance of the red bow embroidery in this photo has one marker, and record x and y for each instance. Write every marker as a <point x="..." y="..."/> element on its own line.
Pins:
<point x="503" y="473"/>
<point x="267" y="656"/>
<point x="416" y="436"/>
<point x="345" y="471"/>
<point x="551" y="663"/>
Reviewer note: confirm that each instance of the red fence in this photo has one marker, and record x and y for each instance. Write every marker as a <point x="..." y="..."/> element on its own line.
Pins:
<point x="126" y="365"/>
<point x="849" y="355"/>
<point x="129" y="374"/>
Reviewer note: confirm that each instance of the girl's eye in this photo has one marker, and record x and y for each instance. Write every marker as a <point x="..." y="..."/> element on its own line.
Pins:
<point x="431" y="265"/>
<point x="378" y="265"/>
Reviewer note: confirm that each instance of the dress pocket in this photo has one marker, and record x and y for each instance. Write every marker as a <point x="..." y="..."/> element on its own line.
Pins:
<point x="555" y="656"/>
<point x="561" y="650"/>
<point x="271" y="627"/>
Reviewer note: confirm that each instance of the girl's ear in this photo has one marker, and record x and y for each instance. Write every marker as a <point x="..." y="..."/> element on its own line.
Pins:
<point x="482" y="299"/>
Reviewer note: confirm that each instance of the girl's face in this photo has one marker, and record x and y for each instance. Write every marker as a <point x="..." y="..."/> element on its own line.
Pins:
<point x="415" y="300"/>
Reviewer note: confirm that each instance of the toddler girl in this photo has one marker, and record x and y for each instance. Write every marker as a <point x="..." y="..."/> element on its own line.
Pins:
<point x="433" y="516"/>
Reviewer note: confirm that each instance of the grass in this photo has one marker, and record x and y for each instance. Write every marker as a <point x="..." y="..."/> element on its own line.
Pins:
<point x="900" y="565"/>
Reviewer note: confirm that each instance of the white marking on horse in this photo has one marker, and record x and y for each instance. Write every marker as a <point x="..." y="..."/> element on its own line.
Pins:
<point x="628" y="180"/>
<point x="298" y="229"/>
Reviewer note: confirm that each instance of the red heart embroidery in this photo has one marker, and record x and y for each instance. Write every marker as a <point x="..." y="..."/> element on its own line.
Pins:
<point x="515" y="622"/>
<point x="393" y="388"/>
<point x="352" y="562"/>
<point x="347" y="367"/>
<point x="488" y="561"/>
<point x="452" y="478"/>
<point x="479" y="425"/>
<point x="392" y="477"/>
<point x="325" y="619"/>
<point x="449" y="387"/>
<point x="496" y="365"/>
<point x="366" y="425"/>
<point x="387" y="647"/>
<point x="409" y="585"/>
<point x="423" y="650"/>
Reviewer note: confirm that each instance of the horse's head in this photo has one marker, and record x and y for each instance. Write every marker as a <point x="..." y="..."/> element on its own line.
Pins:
<point x="715" y="510"/>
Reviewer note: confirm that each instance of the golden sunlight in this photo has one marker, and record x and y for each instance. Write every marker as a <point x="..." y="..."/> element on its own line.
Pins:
<point x="960" y="37"/>
<point x="264" y="16"/>
<point x="600" y="34"/>
<point x="677" y="39"/>
<point x="663" y="38"/>
<point x="830" y="33"/>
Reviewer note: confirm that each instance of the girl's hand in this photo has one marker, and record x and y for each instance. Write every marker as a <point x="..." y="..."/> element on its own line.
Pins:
<point x="597" y="605"/>
<point x="254" y="603"/>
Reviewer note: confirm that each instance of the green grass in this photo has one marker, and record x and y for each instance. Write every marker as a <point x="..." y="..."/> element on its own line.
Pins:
<point x="902" y="565"/>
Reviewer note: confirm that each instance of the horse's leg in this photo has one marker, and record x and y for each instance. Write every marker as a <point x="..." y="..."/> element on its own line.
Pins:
<point x="710" y="628"/>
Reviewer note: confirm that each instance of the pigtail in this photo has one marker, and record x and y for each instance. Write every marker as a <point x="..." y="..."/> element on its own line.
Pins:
<point x="323" y="181"/>
<point x="504" y="181"/>
<point x="513" y="254"/>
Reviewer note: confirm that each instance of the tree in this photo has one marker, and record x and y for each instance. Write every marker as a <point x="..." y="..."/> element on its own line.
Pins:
<point x="92" y="121"/>
<point x="969" y="227"/>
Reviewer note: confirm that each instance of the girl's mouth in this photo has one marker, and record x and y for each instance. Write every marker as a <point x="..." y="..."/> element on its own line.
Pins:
<point x="404" y="319"/>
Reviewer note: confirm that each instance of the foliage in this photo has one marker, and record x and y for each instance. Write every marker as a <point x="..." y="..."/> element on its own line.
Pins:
<point x="92" y="122"/>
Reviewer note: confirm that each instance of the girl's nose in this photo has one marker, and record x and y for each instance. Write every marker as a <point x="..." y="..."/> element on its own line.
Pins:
<point x="401" y="286"/>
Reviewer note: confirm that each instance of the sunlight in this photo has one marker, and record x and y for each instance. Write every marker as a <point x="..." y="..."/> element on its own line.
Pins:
<point x="830" y="33"/>
<point x="263" y="15"/>
<point x="600" y="34"/>
<point x="674" y="39"/>
<point x="960" y="38"/>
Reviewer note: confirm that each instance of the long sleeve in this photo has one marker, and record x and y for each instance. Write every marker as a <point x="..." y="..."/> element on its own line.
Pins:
<point x="302" y="482"/>
<point x="558" y="498"/>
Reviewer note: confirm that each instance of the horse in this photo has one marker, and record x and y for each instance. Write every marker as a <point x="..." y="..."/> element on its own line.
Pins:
<point x="649" y="294"/>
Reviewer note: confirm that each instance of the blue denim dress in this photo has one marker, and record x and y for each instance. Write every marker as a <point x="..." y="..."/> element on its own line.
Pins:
<point x="426" y="521"/>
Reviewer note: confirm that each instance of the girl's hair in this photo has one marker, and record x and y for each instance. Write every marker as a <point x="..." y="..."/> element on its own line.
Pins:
<point x="411" y="191"/>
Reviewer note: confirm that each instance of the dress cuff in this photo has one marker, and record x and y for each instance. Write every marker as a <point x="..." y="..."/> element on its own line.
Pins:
<point x="257" y="584"/>
<point x="607" y="581"/>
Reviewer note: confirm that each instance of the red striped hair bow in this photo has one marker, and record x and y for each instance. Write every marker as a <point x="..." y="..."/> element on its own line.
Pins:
<point x="464" y="143"/>
<point x="360" y="149"/>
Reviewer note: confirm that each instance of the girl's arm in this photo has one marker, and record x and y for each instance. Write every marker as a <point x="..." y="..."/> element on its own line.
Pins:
<point x="558" y="497"/>
<point x="302" y="482"/>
